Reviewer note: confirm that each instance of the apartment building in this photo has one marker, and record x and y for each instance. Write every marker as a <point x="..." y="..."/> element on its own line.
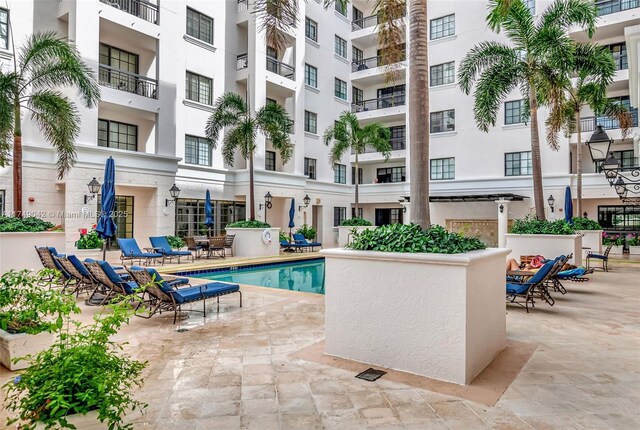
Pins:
<point x="162" y="63"/>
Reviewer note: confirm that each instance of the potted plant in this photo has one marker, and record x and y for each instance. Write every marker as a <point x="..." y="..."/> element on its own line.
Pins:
<point x="615" y="239"/>
<point x="89" y="245"/>
<point x="254" y="239"/>
<point x="350" y="226"/>
<point x="82" y="381"/>
<point x="633" y="242"/>
<point x="438" y="297"/>
<point x="29" y="313"/>
<point x="175" y="242"/>
<point x="18" y="236"/>
<point x="591" y="234"/>
<point x="531" y="236"/>
<point x="307" y="231"/>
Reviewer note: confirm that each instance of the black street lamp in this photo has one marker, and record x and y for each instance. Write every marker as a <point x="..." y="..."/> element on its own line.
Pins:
<point x="599" y="145"/>
<point x="307" y="201"/>
<point x="94" y="189"/>
<point x="551" y="201"/>
<point x="174" y="192"/>
<point x="268" y="198"/>
<point x="610" y="168"/>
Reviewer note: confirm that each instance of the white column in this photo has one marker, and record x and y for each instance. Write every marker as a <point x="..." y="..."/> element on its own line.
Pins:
<point x="503" y="221"/>
<point x="406" y="216"/>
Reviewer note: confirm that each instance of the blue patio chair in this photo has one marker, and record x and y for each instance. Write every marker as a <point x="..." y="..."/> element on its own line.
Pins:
<point x="129" y="250"/>
<point x="162" y="245"/>
<point x="110" y="284"/>
<point x="532" y="286"/>
<point x="79" y="277"/>
<point x="162" y="297"/>
<point x="300" y="239"/>
<point x="288" y="246"/>
<point x="47" y="256"/>
<point x="604" y="258"/>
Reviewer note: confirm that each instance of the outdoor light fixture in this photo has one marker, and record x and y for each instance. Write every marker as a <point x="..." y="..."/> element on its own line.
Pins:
<point x="620" y="188"/>
<point x="403" y="201"/>
<point x="306" y="201"/>
<point x="268" y="198"/>
<point x="174" y="192"/>
<point x="94" y="188"/>
<point x="551" y="201"/>
<point x="610" y="167"/>
<point x="501" y="207"/>
<point x="599" y="145"/>
<point x="585" y="214"/>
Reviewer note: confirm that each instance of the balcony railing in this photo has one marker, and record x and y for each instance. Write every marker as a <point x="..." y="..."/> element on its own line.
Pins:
<point x="281" y="69"/>
<point x="590" y="123"/>
<point x="129" y="82"/>
<point x="379" y="103"/>
<point x="368" y="21"/>
<point x="607" y="7"/>
<point x="243" y="5"/>
<point x="371" y="63"/>
<point x="140" y="8"/>
<point x="397" y="144"/>
<point x="242" y="62"/>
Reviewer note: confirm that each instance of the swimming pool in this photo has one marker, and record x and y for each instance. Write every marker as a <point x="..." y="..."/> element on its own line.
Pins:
<point x="305" y="275"/>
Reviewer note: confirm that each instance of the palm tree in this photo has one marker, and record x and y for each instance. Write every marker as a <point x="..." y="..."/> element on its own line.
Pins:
<point x="232" y="112"/>
<point x="44" y="63"/>
<point x="347" y="135"/>
<point x="593" y="70"/>
<point x="497" y="69"/>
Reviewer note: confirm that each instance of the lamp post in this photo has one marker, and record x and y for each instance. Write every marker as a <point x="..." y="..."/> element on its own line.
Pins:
<point x="268" y="198"/>
<point x="94" y="188"/>
<point x="174" y="192"/>
<point x="551" y="202"/>
<point x="599" y="145"/>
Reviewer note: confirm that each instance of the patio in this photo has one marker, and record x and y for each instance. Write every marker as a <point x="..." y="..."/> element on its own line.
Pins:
<point x="235" y="369"/>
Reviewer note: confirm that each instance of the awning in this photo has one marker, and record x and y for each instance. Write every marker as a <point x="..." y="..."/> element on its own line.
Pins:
<point x="477" y="198"/>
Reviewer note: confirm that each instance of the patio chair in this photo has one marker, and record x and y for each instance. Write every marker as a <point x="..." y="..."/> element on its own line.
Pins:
<point x="162" y="297"/>
<point x="552" y="279"/>
<point x="162" y="244"/>
<point x="530" y="287"/>
<point x="300" y="239"/>
<point x="47" y="256"/>
<point x="216" y="246"/>
<point x="575" y="275"/>
<point x="110" y="284"/>
<point x="292" y="246"/>
<point x="228" y="243"/>
<point x="129" y="250"/>
<point x="604" y="258"/>
<point x="194" y="247"/>
<point x="79" y="277"/>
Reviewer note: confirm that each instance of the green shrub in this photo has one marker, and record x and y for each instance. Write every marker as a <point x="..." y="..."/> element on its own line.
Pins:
<point x="90" y="240"/>
<point x="248" y="224"/>
<point x="633" y="239"/>
<point x="411" y="238"/>
<point x="534" y="226"/>
<point x="29" y="224"/>
<point x="580" y="223"/>
<point x="283" y="237"/>
<point x="616" y="239"/>
<point x="175" y="242"/>
<point x="352" y="222"/>
<point x="307" y="231"/>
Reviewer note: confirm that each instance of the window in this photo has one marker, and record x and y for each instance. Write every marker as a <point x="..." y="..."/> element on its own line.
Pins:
<point x="357" y="96"/>
<point x="517" y="163"/>
<point x="443" y="168"/>
<point x="391" y="174"/>
<point x="199" y="26"/>
<point x="269" y="160"/>
<point x="197" y="150"/>
<point x="356" y="55"/>
<point x="531" y="5"/>
<point x="619" y="217"/>
<point x="341" y="46"/>
<point x="341" y="7"/>
<point x="391" y="96"/>
<point x="357" y="17"/>
<point x="514" y="112"/>
<point x="353" y="175"/>
<point x="311" y="29"/>
<point x="443" y="27"/>
<point x="388" y="216"/>
<point x="398" y="137"/>
<point x="442" y="74"/>
<point x="190" y="216"/>
<point x="353" y="213"/>
<point x="340" y="89"/>
<point x="1" y="202"/>
<point x="339" y="173"/>
<point x="611" y="123"/>
<point x="119" y="135"/>
<point x="339" y="215"/>
<point x="4" y="29"/>
<point x="124" y="217"/>
<point x="443" y="121"/>
<point x="199" y="88"/>
<point x="120" y="65"/>
<point x="619" y="53"/>
<point x="310" y="168"/>
<point x="310" y="76"/>
<point x="310" y="122"/>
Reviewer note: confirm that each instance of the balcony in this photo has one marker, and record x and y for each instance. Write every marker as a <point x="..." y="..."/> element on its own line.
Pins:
<point x="590" y="123"/>
<point x="368" y="21"/>
<point x="397" y="144"/>
<point x="128" y="82"/>
<point x="140" y="8"/>
<point x="242" y="61"/>
<point x="371" y="63"/>
<point x="280" y="68"/>
<point x="608" y="7"/>
<point x="243" y="6"/>
<point x="379" y="103"/>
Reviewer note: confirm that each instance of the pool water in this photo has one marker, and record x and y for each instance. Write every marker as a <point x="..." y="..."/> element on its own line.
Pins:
<point x="306" y="276"/>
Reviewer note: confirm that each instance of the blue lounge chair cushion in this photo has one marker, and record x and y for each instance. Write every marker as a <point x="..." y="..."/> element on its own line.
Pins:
<point x="128" y="286"/>
<point x="162" y="243"/>
<point x="163" y="283"/>
<point x="130" y="248"/>
<point x="301" y="240"/>
<point x="54" y="251"/>
<point x="598" y="256"/>
<point x="578" y="271"/>
<point x="91" y="260"/>
<point x="78" y="265"/>
<point x="517" y="288"/>
<point x="513" y="288"/>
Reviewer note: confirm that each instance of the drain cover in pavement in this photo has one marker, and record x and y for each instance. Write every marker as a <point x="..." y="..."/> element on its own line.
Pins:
<point x="370" y="374"/>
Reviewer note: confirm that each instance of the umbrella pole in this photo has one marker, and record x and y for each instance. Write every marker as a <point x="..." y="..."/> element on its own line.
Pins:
<point x="104" y="250"/>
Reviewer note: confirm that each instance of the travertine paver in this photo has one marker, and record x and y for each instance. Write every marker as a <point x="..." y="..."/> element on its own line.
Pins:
<point x="233" y="370"/>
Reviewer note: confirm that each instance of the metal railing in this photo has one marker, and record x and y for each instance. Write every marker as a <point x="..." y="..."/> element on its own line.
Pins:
<point x="379" y="103"/>
<point x="243" y="5"/>
<point x="369" y="21"/>
<point x="129" y="82"/>
<point x="590" y="123"/>
<point x="281" y="69"/>
<point x="140" y="8"/>
<point x="371" y="63"/>
<point x="397" y="144"/>
<point x="242" y="61"/>
<point x="607" y="7"/>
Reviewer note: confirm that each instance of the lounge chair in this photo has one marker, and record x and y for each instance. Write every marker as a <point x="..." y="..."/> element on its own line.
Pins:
<point x="79" y="277"/>
<point x="228" y="243"/>
<point x="530" y="287"/>
<point x="604" y="258"/>
<point x="47" y="256"/>
<point x="552" y="278"/>
<point x="194" y="247"/>
<point x="110" y="284"/>
<point x="575" y="275"/>
<point x="289" y="246"/>
<point x="300" y="239"/>
<point x="216" y="246"/>
<point x="129" y="250"/>
<point x="162" y="245"/>
<point x="162" y="297"/>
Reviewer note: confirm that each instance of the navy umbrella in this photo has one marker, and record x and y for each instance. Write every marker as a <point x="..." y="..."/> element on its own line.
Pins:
<point x="568" y="206"/>
<point x="106" y="227"/>
<point x="292" y="214"/>
<point x="208" y="212"/>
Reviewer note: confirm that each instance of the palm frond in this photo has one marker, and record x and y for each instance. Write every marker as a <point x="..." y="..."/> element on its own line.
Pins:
<point x="481" y="57"/>
<point x="8" y="83"/>
<point x="563" y="14"/>
<point x="241" y="137"/>
<point x="375" y="135"/>
<point x="391" y="35"/>
<point x="274" y="122"/>
<point x="276" y="18"/>
<point x="595" y="64"/>
<point x="514" y="19"/>
<point x="228" y="110"/>
<point x="614" y="109"/>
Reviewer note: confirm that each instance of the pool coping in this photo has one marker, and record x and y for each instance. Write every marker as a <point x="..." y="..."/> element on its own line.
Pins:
<point x="245" y="265"/>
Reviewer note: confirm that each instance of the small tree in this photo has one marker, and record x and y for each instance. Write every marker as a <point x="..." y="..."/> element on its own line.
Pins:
<point x="347" y="135"/>
<point x="232" y="111"/>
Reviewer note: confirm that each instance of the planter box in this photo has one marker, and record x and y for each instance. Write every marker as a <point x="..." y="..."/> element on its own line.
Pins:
<point x="344" y="233"/>
<point x="17" y="249"/>
<point x="89" y="421"/>
<point x="547" y="245"/>
<point x="634" y="250"/>
<point x="19" y="345"/>
<point x="248" y="242"/>
<point x="616" y="250"/>
<point x="435" y="315"/>
<point x="591" y="239"/>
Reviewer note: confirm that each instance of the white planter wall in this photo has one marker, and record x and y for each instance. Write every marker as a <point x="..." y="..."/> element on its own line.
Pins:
<point x="591" y="239"/>
<point x="436" y="315"/>
<point x="20" y="345"/>
<point x="547" y="245"/>
<point x="634" y="250"/>
<point x="17" y="250"/>
<point x="345" y="232"/>
<point x="248" y="242"/>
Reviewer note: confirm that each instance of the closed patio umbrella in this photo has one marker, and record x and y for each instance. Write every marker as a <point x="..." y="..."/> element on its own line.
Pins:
<point x="292" y="214"/>
<point x="568" y="206"/>
<point x="106" y="226"/>
<point x="208" y="212"/>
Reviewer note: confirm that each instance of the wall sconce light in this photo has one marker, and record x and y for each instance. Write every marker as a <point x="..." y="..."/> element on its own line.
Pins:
<point x="306" y="201"/>
<point x="501" y="207"/>
<point x="174" y="192"/>
<point x="403" y="201"/>
<point x="585" y="214"/>
<point x="551" y="201"/>
<point x="268" y="198"/>
<point x="94" y="189"/>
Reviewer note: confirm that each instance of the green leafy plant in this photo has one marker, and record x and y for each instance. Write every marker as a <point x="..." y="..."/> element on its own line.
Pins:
<point x="580" y="223"/>
<point x="412" y="238"/>
<point x="530" y="225"/>
<point x="307" y="231"/>
<point x="29" y="224"/>
<point x="283" y="237"/>
<point x="90" y="240"/>
<point x="612" y="238"/>
<point x="352" y="222"/>
<point x="175" y="242"/>
<point x="633" y="239"/>
<point x="248" y="224"/>
<point x="83" y="371"/>
<point x="28" y="305"/>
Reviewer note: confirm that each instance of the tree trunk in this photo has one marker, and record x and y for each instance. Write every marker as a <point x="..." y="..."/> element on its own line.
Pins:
<point x="356" y="181"/>
<point x="17" y="163"/>
<point x="252" y="200"/>
<point x="419" y="113"/>
<point x="579" y="165"/>
<point x="538" y="194"/>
